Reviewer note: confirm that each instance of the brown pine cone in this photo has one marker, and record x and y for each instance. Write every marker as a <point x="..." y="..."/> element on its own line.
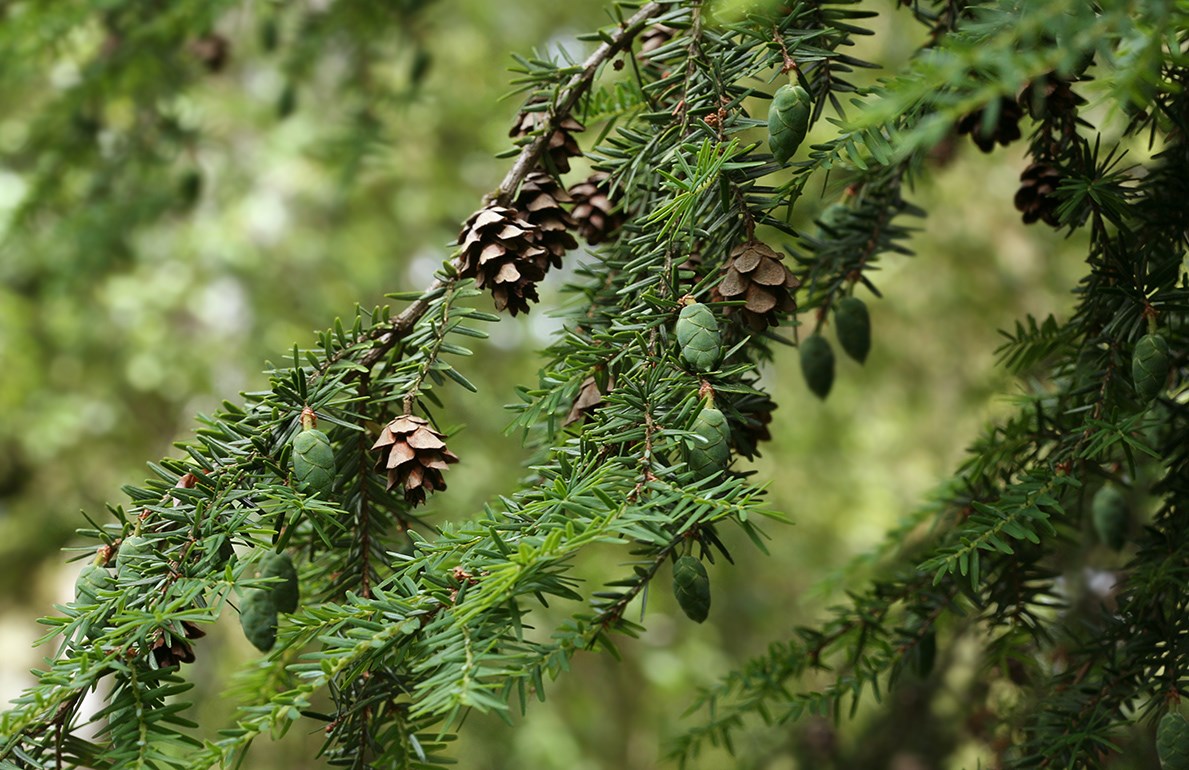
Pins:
<point x="1050" y="96"/>
<point x="502" y="251"/>
<point x="176" y="651"/>
<point x="755" y="412"/>
<point x="561" y="146"/>
<point x="1005" y="131"/>
<point x="756" y="274"/>
<point x="1035" y="198"/>
<point x="213" y="50"/>
<point x="594" y="211"/>
<point x="540" y="202"/>
<point x="414" y="456"/>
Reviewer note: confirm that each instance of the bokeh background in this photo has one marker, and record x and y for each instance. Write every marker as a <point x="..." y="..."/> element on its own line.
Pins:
<point x="308" y="190"/>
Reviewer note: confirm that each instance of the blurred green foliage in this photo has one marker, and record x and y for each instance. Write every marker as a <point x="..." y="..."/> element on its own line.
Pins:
<point x="290" y="181"/>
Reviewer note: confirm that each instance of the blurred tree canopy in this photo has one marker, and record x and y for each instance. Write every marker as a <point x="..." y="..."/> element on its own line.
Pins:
<point x="187" y="188"/>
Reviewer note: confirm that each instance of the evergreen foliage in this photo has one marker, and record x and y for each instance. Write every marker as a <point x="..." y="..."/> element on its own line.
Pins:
<point x="405" y="625"/>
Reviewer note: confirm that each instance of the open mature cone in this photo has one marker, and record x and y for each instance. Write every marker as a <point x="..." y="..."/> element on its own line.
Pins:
<point x="594" y="211"/>
<point x="502" y="251"/>
<point x="414" y="456"/>
<point x="540" y="202"/>
<point x="1035" y="198"/>
<point x="756" y="414"/>
<point x="176" y="651"/>
<point x="1005" y="131"/>
<point x="756" y="274"/>
<point x="1050" y="95"/>
<point x="562" y="145"/>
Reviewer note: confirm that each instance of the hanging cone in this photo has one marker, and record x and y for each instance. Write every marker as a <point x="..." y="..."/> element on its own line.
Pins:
<point x="414" y="456"/>
<point x="1005" y="131"/>
<point x="1035" y="198"/>
<point x="1050" y="96"/>
<point x="589" y="398"/>
<point x="561" y="146"/>
<point x="756" y="274"/>
<point x="594" y="212"/>
<point x="170" y="650"/>
<point x="502" y="252"/>
<point x="540" y="203"/>
<point x="755" y="414"/>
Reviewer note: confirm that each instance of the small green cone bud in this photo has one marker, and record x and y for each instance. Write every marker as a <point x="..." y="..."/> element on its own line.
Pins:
<point x="788" y="121"/>
<point x="134" y="558"/>
<point x="1172" y="741"/>
<point x="697" y="334"/>
<point x="853" y="326"/>
<point x="313" y="461"/>
<point x="258" y="618"/>
<point x="710" y="455"/>
<point x="1109" y="512"/>
<point x="691" y="586"/>
<point x="90" y="581"/>
<point x="1149" y="366"/>
<point x="817" y="364"/>
<point x="284" y="593"/>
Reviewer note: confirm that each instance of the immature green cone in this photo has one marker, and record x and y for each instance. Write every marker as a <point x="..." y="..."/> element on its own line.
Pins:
<point x="788" y="121"/>
<point x="1172" y="741"/>
<point x="1149" y="366"/>
<point x="697" y="334"/>
<point x="691" y="586"/>
<point x="817" y="364"/>
<point x="313" y="461"/>
<point x="134" y="558"/>
<point x="710" y="455"/>
<point x="90" y="581"/>
<point x="853" y="325"/>
<point x="1108" y="509"/>
<point x="258" y="618"/>
<point x="284" y="593"/>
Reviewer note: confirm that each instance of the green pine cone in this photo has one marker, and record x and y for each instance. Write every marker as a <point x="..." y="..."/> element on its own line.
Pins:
<point x="853" y="327"/>
<point x="788" y="121"/>
<point x="90" y="581"/>
<point x="697" y="334"/>
<point x="711" y="455"/>
<point x="1109" y="512"/>
<point x="313" y="461"/>
<point x="1172" y="741"/>
<point x="258" y="618"/>
<point x="135" y="557"/>
<point x="285" y="592"/>
<point x="1149" y="366"/>
<point x="817" y="364"/>
<point x="691" y="586"/>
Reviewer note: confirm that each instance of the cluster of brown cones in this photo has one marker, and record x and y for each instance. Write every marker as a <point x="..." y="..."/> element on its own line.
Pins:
<point x="413" y="455"/>
<point x="757" y="275"/>
<point x="508" y="249"/>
